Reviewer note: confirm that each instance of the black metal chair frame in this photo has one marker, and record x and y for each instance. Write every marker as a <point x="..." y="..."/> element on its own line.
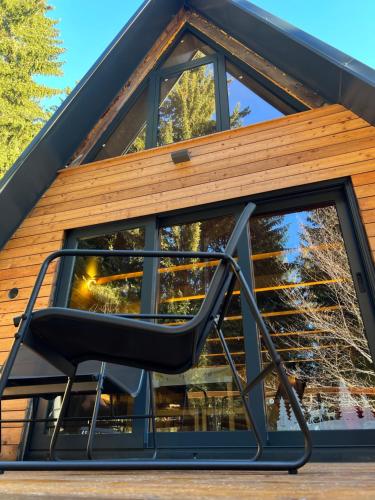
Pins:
<point x="50" y="387"/>
<point x="155" y="463"/>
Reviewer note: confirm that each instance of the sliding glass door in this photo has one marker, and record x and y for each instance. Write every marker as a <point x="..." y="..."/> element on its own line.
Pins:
<point x="306" y="293"/>
<point x="314" y="295"/>
<point x="303" y="262"/>
<point x="204" y="398"/>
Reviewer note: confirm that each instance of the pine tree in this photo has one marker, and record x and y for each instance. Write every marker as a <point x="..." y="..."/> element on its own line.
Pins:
<point x="189" y="108"/>
<point x="29" y="47"/>
<point x="347" y="359"/>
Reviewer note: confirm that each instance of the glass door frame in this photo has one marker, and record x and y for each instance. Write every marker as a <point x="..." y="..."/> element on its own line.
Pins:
<point x="338" y="192"/>
<point x="341" y="194"/>
<point x="223" y="439"/>
<point x="138" y="438"/>
<point x="221" y="110"/>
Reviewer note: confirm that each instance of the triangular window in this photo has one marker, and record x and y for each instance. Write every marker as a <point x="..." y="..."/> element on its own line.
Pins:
<point x="194" y="91"/>
<point x="189" y="48"/>
<point x="129" y="134"/>
<point x="247" y="99"/>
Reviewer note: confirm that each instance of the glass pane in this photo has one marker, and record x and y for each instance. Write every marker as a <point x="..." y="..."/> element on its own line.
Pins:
<point x="109" y="284"/>
<point x="204" y="398"/>
<point x="188" y="48"/>
<point x="247" y="99"/>
<point x="139" y="142"/>
<point x="105" y="285"/>
<point x="187" y="106"/>
<point x="129" y="135"/>
<point x="80" y="407"/>
<point x="306" y="294"/>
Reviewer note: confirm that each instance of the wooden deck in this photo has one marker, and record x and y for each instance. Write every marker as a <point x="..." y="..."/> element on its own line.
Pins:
<point x="315" y="481"/>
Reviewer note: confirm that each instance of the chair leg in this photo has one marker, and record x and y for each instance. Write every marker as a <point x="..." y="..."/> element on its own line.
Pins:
<point x="245" y="402"/>
<point x="153" y="420"/>
<point x="63" y="409"/>
<point x="279" y="367"/>
<point x="8" y="365"/>
<point x="94" y="417"/>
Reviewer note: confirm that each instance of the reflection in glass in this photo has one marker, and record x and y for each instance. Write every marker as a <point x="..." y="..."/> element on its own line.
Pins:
<point x="109" y="284"/>
<point x="247" y="99"/>
<point x="187" y="105"/>
<point x="80" y="407"/>
<point x="188" y="49"/>
<point x="139" y="143"/>
<point x="129" y="136"/>
<point x="306" y="294"/>
<point x="104" y="285"/>
<point x="204" y="398"/>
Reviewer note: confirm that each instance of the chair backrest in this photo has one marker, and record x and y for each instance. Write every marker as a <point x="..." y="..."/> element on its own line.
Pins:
<point x="221" y="280"/>
<point x="192" y="334"/>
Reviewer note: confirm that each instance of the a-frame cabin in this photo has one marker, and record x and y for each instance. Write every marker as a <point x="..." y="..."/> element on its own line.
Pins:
<point x="196" y="107"/>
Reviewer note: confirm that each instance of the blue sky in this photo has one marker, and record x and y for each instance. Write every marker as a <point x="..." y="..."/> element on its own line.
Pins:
<point x="88" y="26"/>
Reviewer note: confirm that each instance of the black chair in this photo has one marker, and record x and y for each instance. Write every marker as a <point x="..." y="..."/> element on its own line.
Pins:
<point x="67" y="337"/>
<point x="33" y="377"/>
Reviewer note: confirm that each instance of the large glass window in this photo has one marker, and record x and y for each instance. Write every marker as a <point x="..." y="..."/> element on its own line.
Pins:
<point x="300" y="260"/>
<point x="187" y="105"/>
<point x="194" y="91"/>
<point x="109" y="285"/>
<point x="305" y="291"/>
<point x="204" y="398"/>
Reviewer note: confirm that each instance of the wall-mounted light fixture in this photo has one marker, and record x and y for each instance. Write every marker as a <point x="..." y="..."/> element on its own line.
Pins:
<point x="180" y="156"/>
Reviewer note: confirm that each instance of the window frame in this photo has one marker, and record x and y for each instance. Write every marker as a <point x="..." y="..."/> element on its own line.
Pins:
<point x="326" y="443"/>
<point x="155" y="89"/>
<point x="278" y="97"/>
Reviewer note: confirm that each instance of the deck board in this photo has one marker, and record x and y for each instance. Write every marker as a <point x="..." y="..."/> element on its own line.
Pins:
<point x="314" y="481"/>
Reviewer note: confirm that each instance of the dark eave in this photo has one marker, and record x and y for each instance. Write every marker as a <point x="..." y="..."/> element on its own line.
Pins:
<point x="334" y="75"/>
<point x="37" y="167"/>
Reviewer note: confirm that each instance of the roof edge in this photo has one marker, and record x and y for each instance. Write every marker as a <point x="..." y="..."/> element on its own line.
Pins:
<point x="36" y="167"/>
<point x="303" y="56"/>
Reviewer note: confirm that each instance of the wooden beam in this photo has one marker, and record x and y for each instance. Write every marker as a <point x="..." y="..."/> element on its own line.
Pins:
<point x="303" y="94"/>
<point x="139" y="74"/>
<point x="275" y="75"/>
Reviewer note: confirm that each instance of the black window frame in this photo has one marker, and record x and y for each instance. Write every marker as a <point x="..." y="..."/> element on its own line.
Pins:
<point x="276" y="96"/>
<point x="349" y="444"/>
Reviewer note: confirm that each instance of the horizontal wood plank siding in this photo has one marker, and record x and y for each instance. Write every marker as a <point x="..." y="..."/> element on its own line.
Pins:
<point x="364" y="187"/>
<point x="317" y="145"/>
